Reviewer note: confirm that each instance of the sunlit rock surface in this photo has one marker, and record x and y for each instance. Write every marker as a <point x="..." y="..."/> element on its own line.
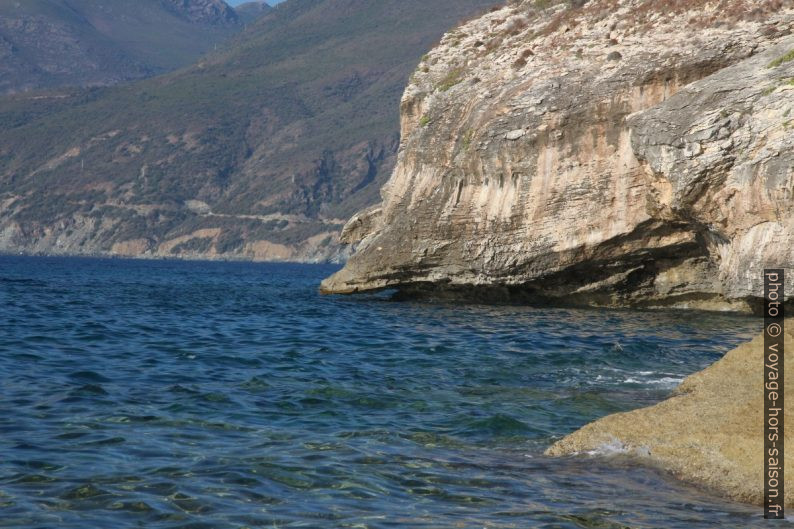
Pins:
<point x="623" y="153"/>
<point x="709" y="432"/>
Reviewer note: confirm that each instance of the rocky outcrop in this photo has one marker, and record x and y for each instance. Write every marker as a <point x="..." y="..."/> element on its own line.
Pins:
<point x="720" y="156"/>
<point x="204" y="11"/>
<point x="250" y="11"/>
<point x="710" y="432"/>
<point x="625" y="153"/>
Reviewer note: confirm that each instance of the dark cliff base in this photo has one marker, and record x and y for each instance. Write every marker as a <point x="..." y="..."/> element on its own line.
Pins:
<point x="535" y="296"/>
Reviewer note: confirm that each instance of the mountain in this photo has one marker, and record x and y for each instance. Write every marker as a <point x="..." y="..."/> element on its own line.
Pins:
<point x="250" y="11"/>
<point x="256" y="151"/>
<point x="52" y="43"/>
<point x="620" y="153"/>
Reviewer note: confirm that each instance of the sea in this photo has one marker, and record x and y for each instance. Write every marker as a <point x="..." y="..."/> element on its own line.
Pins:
<point x="193" y="395"/>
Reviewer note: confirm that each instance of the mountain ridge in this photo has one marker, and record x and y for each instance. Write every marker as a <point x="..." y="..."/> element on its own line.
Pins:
<point x="258" y="151"/>
<point x="54" y="43"/>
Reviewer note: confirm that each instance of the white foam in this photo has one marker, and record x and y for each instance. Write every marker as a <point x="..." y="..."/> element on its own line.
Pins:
<point x="667" y="381"/>
<point x="612" y="447"/>
<point x="616" y="447"/>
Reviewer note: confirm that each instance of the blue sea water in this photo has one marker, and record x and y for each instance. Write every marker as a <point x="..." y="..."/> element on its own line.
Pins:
<point x="164" y="394"/>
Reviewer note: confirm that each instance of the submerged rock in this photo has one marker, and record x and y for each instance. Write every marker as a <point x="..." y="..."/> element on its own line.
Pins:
<point x="710" y="432"/>
<point x="535" y="167"/>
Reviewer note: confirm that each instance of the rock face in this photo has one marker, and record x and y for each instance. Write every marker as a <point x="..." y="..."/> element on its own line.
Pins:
<point x="250" y="11"/>
<point x="710" y="432"/>
<point x="206" y="11"/>
<point x="624" y="153"/>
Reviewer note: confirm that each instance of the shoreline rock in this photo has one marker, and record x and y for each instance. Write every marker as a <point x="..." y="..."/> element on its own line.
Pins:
<point x="709" y="432"/>
<point x="620" y="154"/>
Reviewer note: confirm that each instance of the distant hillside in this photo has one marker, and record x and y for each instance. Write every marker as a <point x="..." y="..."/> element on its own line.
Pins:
<point x="257" y="151"/>
<point x="51" y="43"/>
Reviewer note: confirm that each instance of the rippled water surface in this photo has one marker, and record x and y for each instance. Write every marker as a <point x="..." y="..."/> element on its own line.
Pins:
<point x="229" y="395"/>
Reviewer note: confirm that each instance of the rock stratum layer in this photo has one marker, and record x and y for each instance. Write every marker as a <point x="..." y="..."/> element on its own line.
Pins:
<point x="709" y="432"/>
<point x="622" y="153"/>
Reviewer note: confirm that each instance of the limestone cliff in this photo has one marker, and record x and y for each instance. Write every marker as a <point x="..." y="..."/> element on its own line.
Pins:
<point x="621" y="153"/>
